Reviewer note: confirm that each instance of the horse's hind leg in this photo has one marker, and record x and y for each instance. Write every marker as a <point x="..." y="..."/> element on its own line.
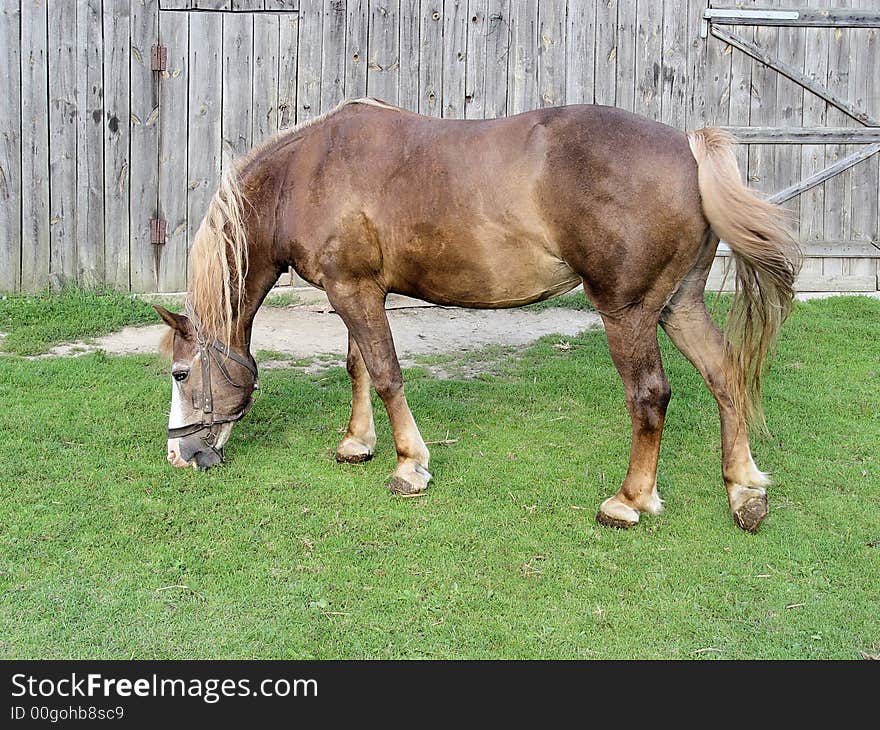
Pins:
<point x="362" y="308"/>
<point x="632" y="340"/>
<point x="690" y="327"/>
<point x="360" y="437"/>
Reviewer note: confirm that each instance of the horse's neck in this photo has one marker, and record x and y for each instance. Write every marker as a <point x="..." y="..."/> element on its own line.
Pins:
<point x="257" y="283"/>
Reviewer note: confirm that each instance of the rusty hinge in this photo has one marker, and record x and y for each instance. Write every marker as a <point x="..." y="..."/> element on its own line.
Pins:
<point x="159" y="58"/>
<point x="157" y="231"/>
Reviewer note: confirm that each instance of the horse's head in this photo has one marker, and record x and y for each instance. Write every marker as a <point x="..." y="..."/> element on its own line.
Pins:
<point x="212" y="387"/>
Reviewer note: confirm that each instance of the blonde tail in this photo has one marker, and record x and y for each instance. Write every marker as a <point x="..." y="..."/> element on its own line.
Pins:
<point x="767" y="262"/>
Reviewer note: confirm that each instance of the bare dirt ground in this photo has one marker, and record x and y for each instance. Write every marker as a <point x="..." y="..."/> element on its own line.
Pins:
<point x="308" y="331"/>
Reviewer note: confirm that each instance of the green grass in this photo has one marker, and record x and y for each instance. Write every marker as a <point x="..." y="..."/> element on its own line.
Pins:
<point x="35" y="323"/>
<point x="284" y="553"/>
<point x="575" y="300"/>
<point x="282" y="299"/>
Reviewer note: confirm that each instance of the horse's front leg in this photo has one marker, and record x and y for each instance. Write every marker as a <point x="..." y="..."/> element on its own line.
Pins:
<point x="362" y="308"/>
<point x="360" y="437"/>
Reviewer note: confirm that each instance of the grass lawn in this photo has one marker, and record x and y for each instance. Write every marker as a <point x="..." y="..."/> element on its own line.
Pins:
<point x="106" y="552"/>
<point x="34" y="323"/>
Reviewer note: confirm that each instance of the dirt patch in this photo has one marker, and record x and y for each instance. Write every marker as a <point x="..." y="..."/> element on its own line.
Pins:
<point x="310" y="331"/>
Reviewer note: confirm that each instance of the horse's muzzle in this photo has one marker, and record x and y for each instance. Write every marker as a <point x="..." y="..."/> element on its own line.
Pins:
<point x="201" y="448"/>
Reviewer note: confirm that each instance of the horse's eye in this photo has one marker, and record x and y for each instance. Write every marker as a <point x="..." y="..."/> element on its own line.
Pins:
<point x="179" y="375"/>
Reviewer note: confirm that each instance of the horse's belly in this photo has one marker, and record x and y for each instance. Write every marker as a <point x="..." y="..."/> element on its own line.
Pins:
<point x="484" y="274"/>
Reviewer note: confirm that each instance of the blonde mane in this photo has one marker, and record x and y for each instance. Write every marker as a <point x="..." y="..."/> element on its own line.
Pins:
<point x="219" y="263"/>
<point x="219" y="254"/>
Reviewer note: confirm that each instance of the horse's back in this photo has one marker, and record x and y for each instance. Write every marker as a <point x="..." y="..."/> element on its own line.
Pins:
<point x="493" y="213"/>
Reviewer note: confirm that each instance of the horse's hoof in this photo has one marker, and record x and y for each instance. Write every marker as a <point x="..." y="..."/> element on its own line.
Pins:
<point x="751" y="513"/>
<point x="353" y="458"/>
<point x="609" y="521"/>
<point x="614" y="513"/>
<point x="353" y="451"/>
<point x="402" y="488"/>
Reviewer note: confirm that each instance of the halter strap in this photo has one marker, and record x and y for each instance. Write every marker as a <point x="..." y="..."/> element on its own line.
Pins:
<point x="208" y="353"/>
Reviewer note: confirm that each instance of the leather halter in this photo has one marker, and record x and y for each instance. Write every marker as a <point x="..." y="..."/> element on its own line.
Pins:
<point x="208" y="352"/>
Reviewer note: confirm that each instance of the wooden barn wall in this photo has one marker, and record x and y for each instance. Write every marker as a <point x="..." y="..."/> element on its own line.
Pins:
<point x="93" y="144"/>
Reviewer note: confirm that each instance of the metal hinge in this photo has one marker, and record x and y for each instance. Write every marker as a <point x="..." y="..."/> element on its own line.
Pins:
<point x="157" y="231"/>
<point x="159" y="58"/>
<point x="745" y="15"/>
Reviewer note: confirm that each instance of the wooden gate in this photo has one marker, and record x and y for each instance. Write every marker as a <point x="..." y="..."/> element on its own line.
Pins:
<point x="831" y="265"/>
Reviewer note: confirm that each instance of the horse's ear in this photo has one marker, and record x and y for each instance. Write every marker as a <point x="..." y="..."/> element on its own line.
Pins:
<point x="175" y="321"/>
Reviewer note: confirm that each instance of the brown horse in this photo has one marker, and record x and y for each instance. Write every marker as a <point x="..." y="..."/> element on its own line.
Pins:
<point x="371" y="199"/>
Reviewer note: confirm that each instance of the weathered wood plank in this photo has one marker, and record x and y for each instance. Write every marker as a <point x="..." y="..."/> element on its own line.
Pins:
<point x="173" y="174"/>
<point x="842" y="249"/>
<point x="90" y="144"/>
<point x="841" y="165"/>
<point x="873" y="102"/>
<point x="673" y="85"/>
<point x="833" y="249"/>
<point x="862" y="206"/>
<point x="766" y="58"/>
<point x="308" y="71"/>
<point x="144" y="201"/>
<point x="35" y="147"/>
<point x="63" y="110"/>
<point x="552" y="24"/>
<point x="695" y="91"/>
<point x="739" y="98"/>
<point x="805" y="135"/>
<point x="408" y="74"/>
<point x="238" y="49"/>
<point x="497" y="58"/>
<point x="356" y="24"/>
<point x="625" y="50"/>
<point x="384" y="51"/>
<point x="718" y="82"/>
<point x="789" y="112"/>
<point x="288" y="59"/>
<point x="205" y="133"/>
<point x="431" y="58"/>
<point x="762" y="159"/>
<point x="117" y="115"/>
<point x="807" y="281"/>
<point x="523" y="68"/>
<point x="837" y="187"/>
<point x="865" y="91"/>
<point x="649" y="59"/>
<point x="265" y="93"/>
<point x="475" y="62"/>
<point x="836" y="282"/>
<point x="806" y="17"/>
<point x="605" y="79"/>
<point x="580" y="52"/>
<point x="812" y="202"/>
<point x="10" y="148"/>
<point x="333" y="54"/>
<point x="455" y="28"/>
